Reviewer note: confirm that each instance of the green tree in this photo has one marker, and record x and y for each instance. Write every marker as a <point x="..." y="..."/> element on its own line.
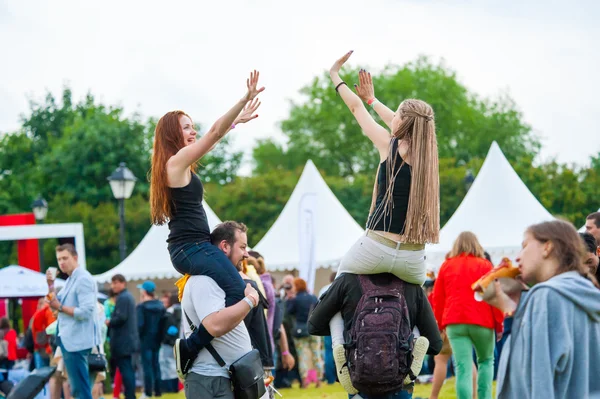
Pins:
<point x="566" y="191"/>
<point x="322" y="128"/>
<point x="256" y="201"/>
<point x="48" y="118"/>
<point x="221" y="165"/>
<point x="90" y="149"/>
<point x="101" y="228"/>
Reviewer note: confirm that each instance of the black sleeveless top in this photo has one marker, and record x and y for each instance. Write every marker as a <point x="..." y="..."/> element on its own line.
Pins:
<point x="188" y="222"/>
<point x="393" y="221"/>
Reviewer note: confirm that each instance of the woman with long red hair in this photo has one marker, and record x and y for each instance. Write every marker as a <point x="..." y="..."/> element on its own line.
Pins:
<point x="176" y="198"/>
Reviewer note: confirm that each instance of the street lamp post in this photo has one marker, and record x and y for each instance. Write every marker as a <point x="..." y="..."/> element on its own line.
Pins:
<point x="40" y="210"/>
<point x="122" y="182"/>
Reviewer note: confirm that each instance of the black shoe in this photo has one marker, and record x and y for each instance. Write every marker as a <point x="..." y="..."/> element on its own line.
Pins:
<point x="184" y="358"/>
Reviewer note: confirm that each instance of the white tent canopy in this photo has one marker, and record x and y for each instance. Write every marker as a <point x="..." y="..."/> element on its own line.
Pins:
<point x="21" y="282"/>
<point x="497" y="208"/>
<point x="334" y="231"/>
<point x="150" y="259"/>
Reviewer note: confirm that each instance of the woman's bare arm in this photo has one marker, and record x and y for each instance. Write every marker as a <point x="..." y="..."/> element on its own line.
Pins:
<point x="191" y="154"/>
<point x="375" y="132"/>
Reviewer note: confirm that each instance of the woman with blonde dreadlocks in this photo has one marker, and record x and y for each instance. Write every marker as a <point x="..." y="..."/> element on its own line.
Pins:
<point x="404" y="213"/>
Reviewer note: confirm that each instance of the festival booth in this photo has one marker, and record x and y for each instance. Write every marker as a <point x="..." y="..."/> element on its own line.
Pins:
<point x="150" y="259"/>
<point x="497" y="208"/>
<point x="312" y="233"/>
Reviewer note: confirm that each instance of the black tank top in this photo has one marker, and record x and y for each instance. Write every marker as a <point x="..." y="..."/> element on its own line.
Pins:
<point x="392" y="222"/>
<point x="188" y="222"/>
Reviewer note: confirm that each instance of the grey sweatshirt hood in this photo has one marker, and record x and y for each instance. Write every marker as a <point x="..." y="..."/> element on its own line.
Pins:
<point x="556" y="333"/>
<point x="578" y="290"/>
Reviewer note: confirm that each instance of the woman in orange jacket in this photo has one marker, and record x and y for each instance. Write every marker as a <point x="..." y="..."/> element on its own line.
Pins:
<point x="467" y="322"/>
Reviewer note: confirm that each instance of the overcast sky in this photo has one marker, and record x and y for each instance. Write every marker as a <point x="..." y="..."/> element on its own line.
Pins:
<point x="151" y="57"/>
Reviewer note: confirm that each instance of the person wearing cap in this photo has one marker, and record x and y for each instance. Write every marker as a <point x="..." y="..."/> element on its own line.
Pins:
<point x="150" y="313"/>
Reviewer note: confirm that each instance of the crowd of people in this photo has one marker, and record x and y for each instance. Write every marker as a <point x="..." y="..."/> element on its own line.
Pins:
<point x="71" y="323"/>
<point x="379" y="319"/>
<point x="234" y="335"/>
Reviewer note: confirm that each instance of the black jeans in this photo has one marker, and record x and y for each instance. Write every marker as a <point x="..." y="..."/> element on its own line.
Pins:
<point x="205" y="259"/>
<point x="125" y="366"/>
<point x="151" y="372"/>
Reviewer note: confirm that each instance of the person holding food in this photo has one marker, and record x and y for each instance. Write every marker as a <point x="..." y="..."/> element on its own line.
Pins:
<point x="553" y="348"/>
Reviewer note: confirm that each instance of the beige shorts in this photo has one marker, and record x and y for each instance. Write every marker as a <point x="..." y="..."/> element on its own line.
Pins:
<point x="368" y="256"/>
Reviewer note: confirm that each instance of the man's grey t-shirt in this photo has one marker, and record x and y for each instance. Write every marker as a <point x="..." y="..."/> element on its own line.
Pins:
<point x="201" y="297"/>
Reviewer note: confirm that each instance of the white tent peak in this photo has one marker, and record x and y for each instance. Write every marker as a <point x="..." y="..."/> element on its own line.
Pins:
<point x="335" y="229"/>
<point x="150" y="259"/>
<point x="497" y="208"/>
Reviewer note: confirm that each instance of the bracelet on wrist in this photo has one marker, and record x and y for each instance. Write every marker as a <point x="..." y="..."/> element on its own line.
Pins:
<point x="249" y="302"/>
<point x="233" y="126"/>
<point x="338" y="86"/>
<point x="372" y="102"/>
<point x="285" y="353"/>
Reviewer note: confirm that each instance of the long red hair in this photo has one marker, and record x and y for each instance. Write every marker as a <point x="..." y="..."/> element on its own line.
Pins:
<point x="168" y="140"/>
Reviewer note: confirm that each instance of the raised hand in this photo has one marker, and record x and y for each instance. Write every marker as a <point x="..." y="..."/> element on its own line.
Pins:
<point x="247" y="113"/>
<point x="365" y="88"/>
<point x="252" y="83"/>
<point x="335" y="68"/>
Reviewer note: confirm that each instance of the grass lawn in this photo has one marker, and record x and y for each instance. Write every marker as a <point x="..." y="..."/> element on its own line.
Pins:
<point x="335" y="391"/>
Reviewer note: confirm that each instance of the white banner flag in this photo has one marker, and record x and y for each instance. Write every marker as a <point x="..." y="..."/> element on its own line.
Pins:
<point x="307" y="214"/>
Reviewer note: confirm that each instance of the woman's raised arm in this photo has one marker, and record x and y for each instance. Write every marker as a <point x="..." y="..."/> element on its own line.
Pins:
<point x="193" y="153"/>
<point x="375" y="132"/>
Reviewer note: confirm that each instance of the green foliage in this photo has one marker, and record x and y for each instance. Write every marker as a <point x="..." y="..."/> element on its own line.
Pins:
<point x="570" y="192"/>
<point x="101" y="228"/>
<point x="221" y="165"/>
<point x="256" y="201"/>
<point x="65" y="151"/>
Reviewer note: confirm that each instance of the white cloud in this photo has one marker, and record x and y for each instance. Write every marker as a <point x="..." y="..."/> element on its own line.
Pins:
<point x="152" y="57"/>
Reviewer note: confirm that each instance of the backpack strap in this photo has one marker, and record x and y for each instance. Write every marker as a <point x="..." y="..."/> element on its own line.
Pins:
<point x="208" y="346"/>
<point x="367" y="285"/>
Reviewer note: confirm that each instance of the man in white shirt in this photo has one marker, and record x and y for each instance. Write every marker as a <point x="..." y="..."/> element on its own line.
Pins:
<point x="204" y="302"/>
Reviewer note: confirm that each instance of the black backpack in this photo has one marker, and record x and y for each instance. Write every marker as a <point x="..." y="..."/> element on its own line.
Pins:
<point x="379" y="352"/>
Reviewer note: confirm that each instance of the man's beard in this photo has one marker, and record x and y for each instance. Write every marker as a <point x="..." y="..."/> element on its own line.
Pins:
<point x="238" y="265"/>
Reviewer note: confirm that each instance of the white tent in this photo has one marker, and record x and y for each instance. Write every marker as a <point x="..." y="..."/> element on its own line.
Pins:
<point x="21" y="282"/>
<point x="497" y="208"/>
<point x="333" y="233"/>
<point x="150" y="259"/>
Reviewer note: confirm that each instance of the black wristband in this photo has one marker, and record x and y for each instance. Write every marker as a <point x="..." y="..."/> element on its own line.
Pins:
<point x="338" y="86"/>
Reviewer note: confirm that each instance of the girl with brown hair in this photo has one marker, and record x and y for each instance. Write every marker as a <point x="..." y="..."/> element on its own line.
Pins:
<point x="556" y="327"/>
<point x="176" y="198"/>
<point x="465" y="322"/>
<point x="404" y="212"/>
